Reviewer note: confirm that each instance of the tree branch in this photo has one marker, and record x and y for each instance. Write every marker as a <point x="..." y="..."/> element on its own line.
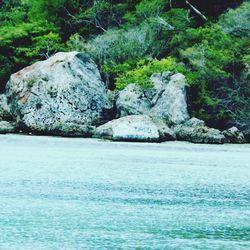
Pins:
<point x="195" y="10"/>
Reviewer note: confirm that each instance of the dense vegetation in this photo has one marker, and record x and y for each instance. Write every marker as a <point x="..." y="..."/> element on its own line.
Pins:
<point x="131" y="39"/>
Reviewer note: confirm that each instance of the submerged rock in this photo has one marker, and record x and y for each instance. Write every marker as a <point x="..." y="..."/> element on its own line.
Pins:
<point x="166" y="100"/>
<point x="234" y="135"/>
<point x="134" y="128"/>
<point x="59" y="95"/>
<point x="7" y="127"/>
<point x="194" y="130"/>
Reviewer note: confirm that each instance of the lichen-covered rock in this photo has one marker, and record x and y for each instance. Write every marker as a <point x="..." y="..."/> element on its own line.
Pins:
<point x="166" y="99"/>
<point x="5" y="113"/>
<point x="7" y="127"/>
<point x="132" y="101"/>
<point x="132" y="128"/>
<point x="64" y="89"/>
<point x="73" y="130"/>
<point x="195" y="131"/>
<point x="170" y="102"/>
<point x="194" y="123"/>
<point x="246" y="133"/>
<point x="166" y="133"/>
<point x="245" y="129"/>
<point x="234" y="135"/>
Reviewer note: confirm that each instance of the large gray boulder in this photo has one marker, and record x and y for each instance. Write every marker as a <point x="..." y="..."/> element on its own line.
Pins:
<point x="234" y="135"/>
<point x="59" y="95"/>
<point x="170" y="101"/>
<point x="134" y="128"/>
<point x="166" y="99"/>
<point x="194" y="130"/>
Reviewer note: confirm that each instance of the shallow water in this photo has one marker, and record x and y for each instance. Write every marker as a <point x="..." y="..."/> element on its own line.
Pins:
<point x="62" y="193"/>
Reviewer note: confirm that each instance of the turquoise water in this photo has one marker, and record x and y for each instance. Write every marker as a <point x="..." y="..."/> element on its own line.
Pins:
<point x="61" y="193"/>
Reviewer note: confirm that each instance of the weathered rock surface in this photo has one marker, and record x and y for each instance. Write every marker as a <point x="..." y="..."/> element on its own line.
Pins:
<point x="59" y="95"/>
<point x="170" y="101"/>
<point x="234" y="135"/>
<point x="194" y="130"/>
<point x="245" y="129"/>
<point x="134" y="128"/>
<point x="166" y="100"/>
<point x="5" y="113"/>
<point x="7" y="127"/>
<point x="246" y="133"/>
<point x="166" y="133"/>
<point x="132" y="101"/>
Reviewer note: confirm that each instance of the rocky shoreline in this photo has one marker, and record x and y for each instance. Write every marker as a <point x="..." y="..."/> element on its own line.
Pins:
<point x="65" y="95"/>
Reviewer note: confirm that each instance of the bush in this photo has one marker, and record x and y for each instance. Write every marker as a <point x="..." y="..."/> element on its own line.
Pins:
<point x="144" y="70"/>
<point x="118" y="46"/>
<point x="237" y="22"/>
<point x="214" y="62"/>
<point x="25" y="43"/>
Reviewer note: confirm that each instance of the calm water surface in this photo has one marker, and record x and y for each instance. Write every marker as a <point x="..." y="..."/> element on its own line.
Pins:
<point x="61" y="193"/>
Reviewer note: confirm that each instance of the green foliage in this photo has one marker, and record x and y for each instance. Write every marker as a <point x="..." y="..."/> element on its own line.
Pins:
<point x="143" y="71"/>
<point x="237" y="22"/>
<point x="121" y="45"/>
<point x="179" y="18"/>
<point x="44" y="10"/>
<point x="214" y="62"/>
<point x="76" y="42"/>
<point x="148" y="8"/>
<point x="45" y="45"/>
<point x="24" y="40"/>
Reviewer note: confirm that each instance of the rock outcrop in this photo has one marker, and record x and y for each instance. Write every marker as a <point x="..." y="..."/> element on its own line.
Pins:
<point x="7" y="124"/>
<point x="133" y="100"/>
<point x="63" y="94"/>
<point x="194" y="130"/>
<point x="244" y="127"/>
<point x="5" y="113"/>
<point x="170" y="102"/>
<point x="166" y="100"/>
<point x="134" y="128"/>
<point x="7" y="127"/>
<point x="234" y="135"/>
<point x="246" y="133"/>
